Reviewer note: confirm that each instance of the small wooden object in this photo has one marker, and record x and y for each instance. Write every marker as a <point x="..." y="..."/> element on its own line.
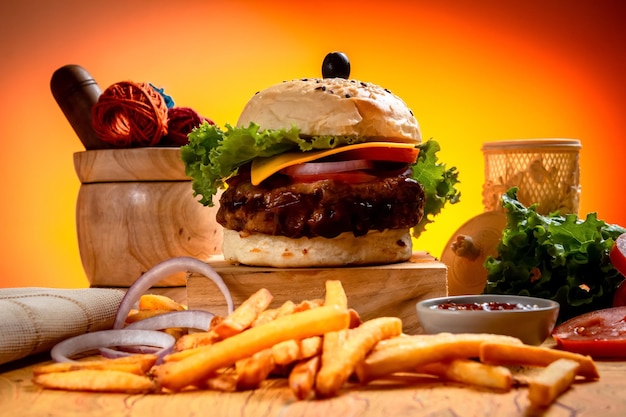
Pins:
<point x="373" y="291"/>
<point x="468" y="248"/>
<point x="136" y="208"/>
<point x="76" y="92"/>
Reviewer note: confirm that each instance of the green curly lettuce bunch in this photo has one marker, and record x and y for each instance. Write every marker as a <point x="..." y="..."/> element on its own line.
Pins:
<point x="558" y="257"/>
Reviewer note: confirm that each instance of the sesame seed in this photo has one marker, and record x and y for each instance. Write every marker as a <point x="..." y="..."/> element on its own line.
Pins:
<point x="347" y="95"/>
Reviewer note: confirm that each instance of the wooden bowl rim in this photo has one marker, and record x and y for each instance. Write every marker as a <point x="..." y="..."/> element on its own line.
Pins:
<point x="133" y="164"/>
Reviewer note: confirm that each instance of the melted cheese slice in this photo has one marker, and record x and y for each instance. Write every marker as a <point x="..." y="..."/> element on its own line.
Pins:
<point x="263" y="168"/>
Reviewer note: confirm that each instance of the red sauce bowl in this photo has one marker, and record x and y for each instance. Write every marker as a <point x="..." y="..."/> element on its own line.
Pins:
<point x="529" y="319"/>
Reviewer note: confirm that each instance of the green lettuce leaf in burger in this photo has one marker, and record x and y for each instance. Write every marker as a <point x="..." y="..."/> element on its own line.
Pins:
<point x="320" y="172"/>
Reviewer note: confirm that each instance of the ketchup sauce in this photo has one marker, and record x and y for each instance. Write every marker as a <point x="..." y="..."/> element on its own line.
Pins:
<point x="490" y="306"/>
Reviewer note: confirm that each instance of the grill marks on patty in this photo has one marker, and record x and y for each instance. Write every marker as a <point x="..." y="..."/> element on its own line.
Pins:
<point x="324" y="208"/>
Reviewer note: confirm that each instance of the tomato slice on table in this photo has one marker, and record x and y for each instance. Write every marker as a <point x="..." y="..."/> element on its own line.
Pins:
<point x="600" y="334"/>
<point x="618" y="259"/>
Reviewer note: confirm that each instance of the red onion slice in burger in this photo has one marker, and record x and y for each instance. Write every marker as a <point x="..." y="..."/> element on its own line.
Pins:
<point x="318" y="168"/>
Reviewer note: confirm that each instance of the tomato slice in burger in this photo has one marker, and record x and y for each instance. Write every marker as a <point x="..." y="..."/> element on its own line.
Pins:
<point x="600" y="334"/>
<point x="405" y="155"/>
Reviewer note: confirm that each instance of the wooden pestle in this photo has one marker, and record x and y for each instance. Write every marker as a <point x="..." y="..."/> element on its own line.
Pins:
<point x="75" y="91"/>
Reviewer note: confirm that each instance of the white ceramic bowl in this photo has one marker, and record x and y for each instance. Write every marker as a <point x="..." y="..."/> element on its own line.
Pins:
<point x="532" y="326"/>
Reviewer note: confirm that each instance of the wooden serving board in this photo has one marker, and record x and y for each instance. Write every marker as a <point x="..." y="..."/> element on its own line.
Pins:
<point x="373" y="291"/>
<point x="410" y="396"/>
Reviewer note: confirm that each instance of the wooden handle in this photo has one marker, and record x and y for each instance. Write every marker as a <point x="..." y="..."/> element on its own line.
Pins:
<point x="75" y="91"/>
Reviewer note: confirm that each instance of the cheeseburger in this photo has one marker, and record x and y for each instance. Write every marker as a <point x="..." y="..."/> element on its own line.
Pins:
<point x="319" y="172"/>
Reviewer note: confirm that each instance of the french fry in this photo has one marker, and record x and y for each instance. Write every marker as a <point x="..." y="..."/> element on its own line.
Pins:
<point x="158" y="302"/>
<point x="408" y="353"/>
<point x="355" y="319"/>
<point x="473" y="373"/>
<point x="215" y="321"/>
<point x="289" y="351"/>
<point x="244" y="315"/>
<point x="286" y="352"/>
<point x="254" y="370"/>
<point x="176" y="332"/>
<point x="225" y="382"/>
<point x="288" y="307"/>
<point x="341" y="362"/>
<point x="203" y="362"/>
<point x="302" y="377"/>
<point x="195" y="340"/>
<point x="96" y="380"/>
<point x="308" y="304"/>
<point x="335" y="294"/>
<point x="198" y="339"/>
<point x="311" y="346"/>
<point x="266" y="316"/>
<point x="319" y="345"/>
<point x="553" y="380"/>
<point x="135" y="364"/>
<point x="496" y="353"/>
<point x="402" y="339"/>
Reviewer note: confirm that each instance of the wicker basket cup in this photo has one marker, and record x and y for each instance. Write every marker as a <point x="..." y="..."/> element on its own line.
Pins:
<point x="546" y="172"/>
<point x="136" y="208"/>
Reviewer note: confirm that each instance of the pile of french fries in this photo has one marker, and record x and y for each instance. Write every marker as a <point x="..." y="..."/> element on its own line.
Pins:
<point x="321" y="347"/>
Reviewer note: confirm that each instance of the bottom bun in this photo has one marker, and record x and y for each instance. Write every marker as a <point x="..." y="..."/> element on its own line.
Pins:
<point x="374" y="248"/>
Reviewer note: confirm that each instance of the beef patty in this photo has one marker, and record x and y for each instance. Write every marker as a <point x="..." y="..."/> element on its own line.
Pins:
<point x="323" y="208"/>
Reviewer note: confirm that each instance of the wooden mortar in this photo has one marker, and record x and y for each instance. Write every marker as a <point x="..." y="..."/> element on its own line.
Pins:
<point x="136" y="208"/>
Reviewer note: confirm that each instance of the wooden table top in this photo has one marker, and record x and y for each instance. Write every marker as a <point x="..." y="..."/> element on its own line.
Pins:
<point x="606" y="397"/>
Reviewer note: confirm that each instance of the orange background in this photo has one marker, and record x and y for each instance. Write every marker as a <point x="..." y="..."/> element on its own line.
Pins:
<point x="472" y="71"/>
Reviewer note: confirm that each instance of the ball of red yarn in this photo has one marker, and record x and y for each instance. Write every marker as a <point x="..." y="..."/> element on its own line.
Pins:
<point x="181" y="121"/>
<point x="129" y="115"/>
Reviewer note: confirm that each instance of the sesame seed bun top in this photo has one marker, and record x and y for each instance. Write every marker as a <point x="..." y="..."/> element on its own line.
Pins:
<point x="333" y="106"/>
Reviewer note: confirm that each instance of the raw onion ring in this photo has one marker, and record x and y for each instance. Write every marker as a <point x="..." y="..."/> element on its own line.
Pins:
<point x="124" y="351"/>
<point x="319" y="168"/>
<point x="144" y="336"/>
<point x="163" y="270"/>
<point x="188" y="319"/>
<point x="63" y="351"/>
